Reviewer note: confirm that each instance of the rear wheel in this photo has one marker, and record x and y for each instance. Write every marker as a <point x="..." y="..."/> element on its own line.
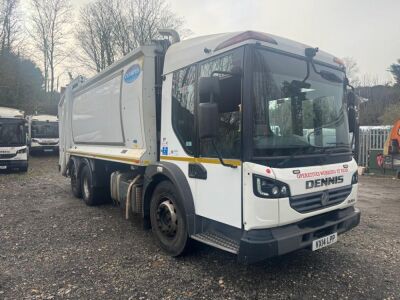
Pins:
<point x="75" y="182"/>
<point x="91" y="195"/>
<point x="168" y="220"/>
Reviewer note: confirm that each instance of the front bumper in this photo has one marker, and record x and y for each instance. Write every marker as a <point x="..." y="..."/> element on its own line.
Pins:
<point x="44" y="148"/>
<point x="260" y="244"/>
<point x="13" y="164"/>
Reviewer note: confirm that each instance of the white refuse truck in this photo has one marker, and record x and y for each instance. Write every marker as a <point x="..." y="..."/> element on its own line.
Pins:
<point x="13" y="140"/>
<point x="43" y="133"/>
<point x="237" y="140"/>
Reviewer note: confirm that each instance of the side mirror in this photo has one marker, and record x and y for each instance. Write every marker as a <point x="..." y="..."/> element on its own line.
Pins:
<point x="351" y="110"/>
<point x="352" y="119"/>
<point x="208" y="120"/>
<point x="209" y="89"/>
<point x="351" y="99"/>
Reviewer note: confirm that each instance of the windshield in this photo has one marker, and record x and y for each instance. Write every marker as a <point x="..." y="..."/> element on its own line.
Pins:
<point x="41" y="129"/>
<point x="12" y="133"/>
<point x="296" y="117"/>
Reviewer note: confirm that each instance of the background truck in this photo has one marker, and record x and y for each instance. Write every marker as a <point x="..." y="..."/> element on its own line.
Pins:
<point x="237" y="140"/>
<point x="43" y="133"/>
<point x="391" y="151"/>
<point x="13" y="140"/>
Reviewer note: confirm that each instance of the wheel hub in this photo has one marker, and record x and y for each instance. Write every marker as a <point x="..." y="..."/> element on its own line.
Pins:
<point x="166" y="218"/>
<point x="86" y="187"/>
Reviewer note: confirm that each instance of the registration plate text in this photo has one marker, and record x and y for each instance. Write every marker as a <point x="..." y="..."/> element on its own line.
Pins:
<point x="324" y="241"/>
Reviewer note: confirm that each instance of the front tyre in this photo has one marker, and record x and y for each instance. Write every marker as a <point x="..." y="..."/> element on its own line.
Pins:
<point x="168" y="220"/>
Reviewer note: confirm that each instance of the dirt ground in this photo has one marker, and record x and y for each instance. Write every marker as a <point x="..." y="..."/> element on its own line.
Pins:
<point x="52" y="246"/>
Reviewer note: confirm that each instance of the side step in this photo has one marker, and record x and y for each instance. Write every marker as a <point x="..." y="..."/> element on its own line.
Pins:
<point x="218" y="241"/>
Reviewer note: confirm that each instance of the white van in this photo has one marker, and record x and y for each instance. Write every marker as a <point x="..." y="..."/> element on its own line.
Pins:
<point x="13" y="140"/>
<point x="43" y="133"/>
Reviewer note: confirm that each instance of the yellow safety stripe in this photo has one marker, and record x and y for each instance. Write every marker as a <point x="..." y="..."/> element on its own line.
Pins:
<point x="216" y="161"/>
<point x="105" y="156"/>
<point x="125" y="159"/>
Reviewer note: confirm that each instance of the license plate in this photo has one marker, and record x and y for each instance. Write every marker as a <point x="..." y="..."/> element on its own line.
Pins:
<point x="48" y="150"/>
<point x="3" y="167"/>
<point x="324" y="241"/>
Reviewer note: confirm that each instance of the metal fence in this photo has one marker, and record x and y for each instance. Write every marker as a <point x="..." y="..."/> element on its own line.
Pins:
<point x="371" y="138"/>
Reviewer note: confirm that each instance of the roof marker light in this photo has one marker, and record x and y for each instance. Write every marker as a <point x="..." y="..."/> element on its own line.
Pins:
<point x="247" y="35"/>
<point x="339" y="61"/>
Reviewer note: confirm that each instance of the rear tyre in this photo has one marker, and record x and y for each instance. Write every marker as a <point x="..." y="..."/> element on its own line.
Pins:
<point x="75" y="182"/>
<point x="91" y="195"/>
<point x="168" y="220"/>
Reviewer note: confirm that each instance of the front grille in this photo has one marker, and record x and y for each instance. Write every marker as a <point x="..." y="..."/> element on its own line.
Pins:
<point x="8" y="155"/>
<point x="48" y="143"/>
<point x="313" y="201"/>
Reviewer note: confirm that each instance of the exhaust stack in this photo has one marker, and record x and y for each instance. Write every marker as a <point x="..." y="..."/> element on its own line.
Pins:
<point x="170" y="33"/>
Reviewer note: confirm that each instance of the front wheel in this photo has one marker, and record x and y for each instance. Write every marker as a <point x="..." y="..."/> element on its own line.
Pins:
<point x="168" y="220"/>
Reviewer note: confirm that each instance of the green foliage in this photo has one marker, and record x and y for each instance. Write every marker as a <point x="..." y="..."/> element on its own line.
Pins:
<point x="21" y="84"/>
<point x="380" y="98"/>
<point x="395" y="70"/>
<point x="391" y="114"/>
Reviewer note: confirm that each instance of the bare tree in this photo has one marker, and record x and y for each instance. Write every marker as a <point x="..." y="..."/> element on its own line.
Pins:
<point x="96" y="33"/>
<point x="352" y="71"/>
<point x="9" y="24"/>
<point x="145" y="17"/>
<point x="49" y="31"/>
<point x="109" y="29"/>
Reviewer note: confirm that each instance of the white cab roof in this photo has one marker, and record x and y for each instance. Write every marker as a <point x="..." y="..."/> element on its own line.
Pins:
<point x="192" y="50"/>
<point x="44" y="118"/>
<point x="6" y="112"/>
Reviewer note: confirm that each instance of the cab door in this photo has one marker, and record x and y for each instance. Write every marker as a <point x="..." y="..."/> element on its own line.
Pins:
<point x="218" y="193"/>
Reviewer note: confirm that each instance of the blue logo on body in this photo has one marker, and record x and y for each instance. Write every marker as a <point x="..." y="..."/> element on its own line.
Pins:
<point x="132" y="74"/>
<point x="164" y="150"/>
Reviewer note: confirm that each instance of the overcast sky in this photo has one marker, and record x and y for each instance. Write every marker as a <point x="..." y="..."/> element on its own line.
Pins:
<point x="367" y="30"/>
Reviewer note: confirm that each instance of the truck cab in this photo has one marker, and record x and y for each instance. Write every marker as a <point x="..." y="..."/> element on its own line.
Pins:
<point x="43" y="133"/>
<point x="262" y="137"/>
<point x="13" y="140"/>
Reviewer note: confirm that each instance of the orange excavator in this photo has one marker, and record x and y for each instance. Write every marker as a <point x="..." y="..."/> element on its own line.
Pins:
<point x="391" y="150"/>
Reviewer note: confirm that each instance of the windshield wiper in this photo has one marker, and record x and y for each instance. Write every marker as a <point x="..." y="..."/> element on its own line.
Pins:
<point x="298" y="151"/>
<point x="339" y="144"/>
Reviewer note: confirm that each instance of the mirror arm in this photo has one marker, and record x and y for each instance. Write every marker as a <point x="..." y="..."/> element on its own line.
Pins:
<point x="220" y="157"/>
<point x="308" y="71"/>
<point x="315" y="68"/>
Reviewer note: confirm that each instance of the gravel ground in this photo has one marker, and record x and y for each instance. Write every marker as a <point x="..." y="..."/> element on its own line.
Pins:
<point x="54" y="247"/>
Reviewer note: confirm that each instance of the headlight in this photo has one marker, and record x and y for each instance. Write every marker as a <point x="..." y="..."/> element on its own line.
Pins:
<point x="354" y="179"/>
<point x="20" y="151"/>
<point x="269" y="188"/>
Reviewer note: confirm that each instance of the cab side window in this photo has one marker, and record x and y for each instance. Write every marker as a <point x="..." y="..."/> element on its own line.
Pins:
<point x="183" y="101"/>
<point x="228" y="141"/>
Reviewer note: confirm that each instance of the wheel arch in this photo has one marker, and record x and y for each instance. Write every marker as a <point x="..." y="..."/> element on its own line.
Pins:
<point x="159" y="172"/>
<point x="79" y="163"/>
